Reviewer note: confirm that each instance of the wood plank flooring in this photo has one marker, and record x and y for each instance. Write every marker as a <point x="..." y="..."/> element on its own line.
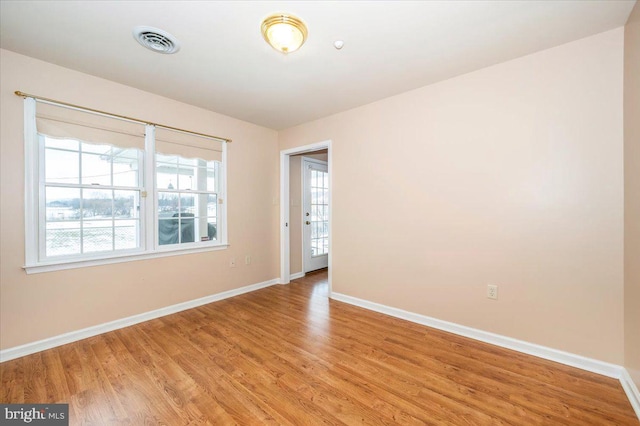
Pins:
<point x="288" y="355"/>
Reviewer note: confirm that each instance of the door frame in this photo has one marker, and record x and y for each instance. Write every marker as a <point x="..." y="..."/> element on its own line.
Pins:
<point x="285" y="249"/>
<point x="303" y="174"/>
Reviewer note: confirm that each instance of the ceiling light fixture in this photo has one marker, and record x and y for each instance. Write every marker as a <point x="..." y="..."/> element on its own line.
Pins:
<point x="285" y="33"/>
<point x="155" y="39"/>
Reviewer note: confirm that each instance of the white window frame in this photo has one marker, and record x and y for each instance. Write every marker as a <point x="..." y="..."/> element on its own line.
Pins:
<point x="149" y="243"/>
<point x="41" y="191"/>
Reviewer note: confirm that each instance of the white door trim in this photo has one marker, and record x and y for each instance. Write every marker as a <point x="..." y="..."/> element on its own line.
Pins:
<point x="285" y="249"/>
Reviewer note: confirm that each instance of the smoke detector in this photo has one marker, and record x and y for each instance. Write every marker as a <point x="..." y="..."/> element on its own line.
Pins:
<point x="156" y="39"/>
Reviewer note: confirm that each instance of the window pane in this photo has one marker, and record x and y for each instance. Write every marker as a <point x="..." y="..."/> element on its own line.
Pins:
<point x="96" y="169"/>
<point x="193" y="162"/>
<point x="126" y="234"/>
<point x="166" y="176"/>
<point x="211" y="180"/>
<point x="314" y="178"/>
<point x="188" y="228"/>
<point x="168" y="204"/>
<point x="168" y="231"/>
<point x="126" y="204"/>
<point x="60" y="143"/>
<point x="167" y="159"/>
<point x="66" y="227"/>
<point x="62" y="238"/>
<point x="212" y="205"/>
<point x="180" y="229"/>
<point x="61" y="166"/>
<point x="97" y="203"/>
<point x="188" y="203"/>
<point x="124" y="155"/>
<point x="96" y="149"/>
<point x="212" y="228"/>
<point x="200" y="179"/>
<point x="187" y="178"/>
<point x="97" y="235"/>
<point x="125" y="175"/>
<point x="62" y="204"/>
<point x="125" y="167"/>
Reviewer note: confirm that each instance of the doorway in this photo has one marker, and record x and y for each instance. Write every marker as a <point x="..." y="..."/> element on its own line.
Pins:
<point x="315" y="214"/>
<point x="291" y="222"/>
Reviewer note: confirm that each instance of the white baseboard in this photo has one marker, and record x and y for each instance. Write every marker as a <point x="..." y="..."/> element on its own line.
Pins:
<point x="292" y="277"/>
<point x="593" y="365"/>
<point x="62" y="339"/>
<point x="631" y="390"/>
<point x="566" y="358"/>
<point x="296" y="275"/>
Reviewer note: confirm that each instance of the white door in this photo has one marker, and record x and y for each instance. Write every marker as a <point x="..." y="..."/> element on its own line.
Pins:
<point x="315" y="214"/>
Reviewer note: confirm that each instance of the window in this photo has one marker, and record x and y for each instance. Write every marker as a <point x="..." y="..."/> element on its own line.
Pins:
<point x="90" y="198"/>
<point x="188" y="184"/>
<point x="101" y="188"/>
<point x="319" y="212"/>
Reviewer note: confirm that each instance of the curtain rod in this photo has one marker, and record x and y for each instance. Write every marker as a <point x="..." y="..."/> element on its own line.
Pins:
<point x="124" y="117"/>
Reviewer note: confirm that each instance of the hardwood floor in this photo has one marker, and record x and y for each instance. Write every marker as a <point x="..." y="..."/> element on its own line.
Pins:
<point x="289" y="355"/>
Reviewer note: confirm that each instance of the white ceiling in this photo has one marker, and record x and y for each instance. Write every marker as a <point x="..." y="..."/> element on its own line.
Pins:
<point x="224" y="65"/>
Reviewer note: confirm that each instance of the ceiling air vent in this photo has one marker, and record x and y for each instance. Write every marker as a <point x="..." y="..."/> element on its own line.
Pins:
<point x="156" y="39"/>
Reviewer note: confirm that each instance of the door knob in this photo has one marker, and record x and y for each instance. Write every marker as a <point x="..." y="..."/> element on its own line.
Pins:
<point x="307" y="214"/>
<point x="308" y="223"/>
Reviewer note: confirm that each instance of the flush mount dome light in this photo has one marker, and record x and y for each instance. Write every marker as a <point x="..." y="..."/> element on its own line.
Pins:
<point x="285" y="33"/>
<point x="155" y="39"/>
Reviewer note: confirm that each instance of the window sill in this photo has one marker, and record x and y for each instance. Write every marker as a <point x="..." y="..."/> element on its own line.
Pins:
<point x="74" y="264"/>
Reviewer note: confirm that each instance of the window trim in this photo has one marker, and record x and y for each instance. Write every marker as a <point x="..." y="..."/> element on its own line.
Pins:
<point x="120" y="258"/>
<point x="149" y="244"/>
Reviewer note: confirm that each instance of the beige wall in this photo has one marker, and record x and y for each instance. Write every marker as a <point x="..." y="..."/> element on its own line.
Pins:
<point x="510" y="175"/>
<point x="632" y="193"/>
<point x="295" y="208"/>
<point x="34" y="307"/>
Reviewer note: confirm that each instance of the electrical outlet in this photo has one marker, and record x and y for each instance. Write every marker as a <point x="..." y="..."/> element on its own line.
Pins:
<point x="247" y="259"/>
<point x="232" y="262"/>
<point x="492" y="291"/>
